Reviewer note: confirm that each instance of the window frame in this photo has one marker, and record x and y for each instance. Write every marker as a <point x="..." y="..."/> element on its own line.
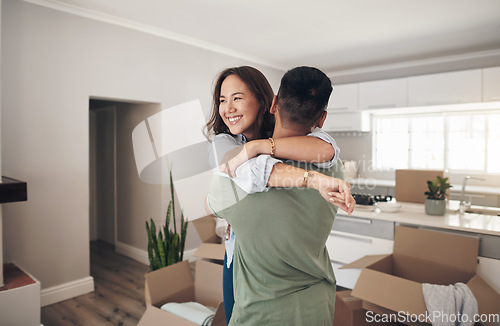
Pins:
<point x="445" y="114"/>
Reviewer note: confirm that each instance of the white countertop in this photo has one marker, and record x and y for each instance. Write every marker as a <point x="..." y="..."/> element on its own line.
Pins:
<point x="411" y="213"/>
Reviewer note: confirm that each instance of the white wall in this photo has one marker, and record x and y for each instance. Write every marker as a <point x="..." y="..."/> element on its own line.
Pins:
<point x="52" y="63"/>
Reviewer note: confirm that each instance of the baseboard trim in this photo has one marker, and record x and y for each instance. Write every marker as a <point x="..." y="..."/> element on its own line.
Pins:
<point x="67" y="290"/>
<point x="132" y="252"/>
<point x="142" y="255"/>
<point x="85" y="285"/>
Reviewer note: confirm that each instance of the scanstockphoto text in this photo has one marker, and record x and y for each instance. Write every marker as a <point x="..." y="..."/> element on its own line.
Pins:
<point x="431" y="318"/>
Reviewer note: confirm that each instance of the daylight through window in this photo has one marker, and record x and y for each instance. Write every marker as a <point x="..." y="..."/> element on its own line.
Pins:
<point x="458" y="141"/>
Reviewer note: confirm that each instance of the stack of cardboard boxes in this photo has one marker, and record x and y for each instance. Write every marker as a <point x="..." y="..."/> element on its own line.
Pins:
<point x="176" y="283"/>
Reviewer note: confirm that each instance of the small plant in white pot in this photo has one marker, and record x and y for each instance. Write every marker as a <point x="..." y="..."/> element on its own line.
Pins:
<point x="435" y="203"/>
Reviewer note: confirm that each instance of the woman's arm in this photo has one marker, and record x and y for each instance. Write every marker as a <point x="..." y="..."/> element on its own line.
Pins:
<point x="253" y="176"/>
<point x="334" y="190"/>
<point x="299" y="148"/>
<point x="318" y="147"/>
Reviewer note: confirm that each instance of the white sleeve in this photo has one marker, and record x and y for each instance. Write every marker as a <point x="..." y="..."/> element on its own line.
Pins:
<point x="329" y="139"/>
<point x="251" y="176"/>
<point x="218" y="147"/>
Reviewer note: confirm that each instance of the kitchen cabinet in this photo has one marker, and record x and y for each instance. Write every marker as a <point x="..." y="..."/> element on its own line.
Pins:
<point x="491" y="84"/>
<point x="352" y="238"/>
<point x="488" y="269"/>
<point x="344" y="98"/>
<point x="445" y="88"/>
<point x="346" y="121"/>
<point x="383" y="94"/>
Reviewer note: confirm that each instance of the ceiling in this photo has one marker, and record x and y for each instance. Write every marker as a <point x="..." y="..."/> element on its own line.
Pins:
<point x="333" y="35"/>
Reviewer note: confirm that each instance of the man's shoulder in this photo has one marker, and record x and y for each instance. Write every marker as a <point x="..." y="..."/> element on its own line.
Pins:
<point x="223" y="193"/>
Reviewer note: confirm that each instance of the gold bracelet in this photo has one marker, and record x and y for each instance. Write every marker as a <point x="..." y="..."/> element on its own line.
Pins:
<point x="304" y="182"/>
<point x="273" y="147"/>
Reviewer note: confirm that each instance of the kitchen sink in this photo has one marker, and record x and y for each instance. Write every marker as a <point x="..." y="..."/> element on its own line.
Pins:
<point x="484" y="210"/>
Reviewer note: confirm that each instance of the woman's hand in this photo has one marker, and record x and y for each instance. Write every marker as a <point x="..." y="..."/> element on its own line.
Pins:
<point x="333" y="190"/>
<point x="338" y="199"/>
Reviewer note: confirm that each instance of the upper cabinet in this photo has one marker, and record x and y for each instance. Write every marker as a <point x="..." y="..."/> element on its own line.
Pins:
<point x="344" y="98"/>
<point x="346" y="121"/>
<point x="491" y="84"/>
<point x="348" y="101"/>
<point x="445" y="88"/>
<point x="383" y="94"/>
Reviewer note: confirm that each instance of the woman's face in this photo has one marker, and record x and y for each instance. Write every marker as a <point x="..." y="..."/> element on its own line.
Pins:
<point x="238" y="106"/>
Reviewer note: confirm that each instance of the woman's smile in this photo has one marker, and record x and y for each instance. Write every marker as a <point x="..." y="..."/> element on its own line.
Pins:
<point x="234" y="120"/>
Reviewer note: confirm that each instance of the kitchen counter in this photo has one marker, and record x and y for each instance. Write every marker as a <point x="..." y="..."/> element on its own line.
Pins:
<point x="410" y="213"/>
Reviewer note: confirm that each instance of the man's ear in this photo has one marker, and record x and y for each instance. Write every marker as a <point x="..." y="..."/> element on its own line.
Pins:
<point x="321" y="119"/>
<point x="274" y="105"/>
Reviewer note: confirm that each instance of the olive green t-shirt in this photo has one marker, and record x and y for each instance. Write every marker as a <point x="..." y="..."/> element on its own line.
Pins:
<point x="282" y="270"/>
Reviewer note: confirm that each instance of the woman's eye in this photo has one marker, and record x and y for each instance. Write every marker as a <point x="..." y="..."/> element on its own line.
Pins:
<point x="222" y="101"/>
<point x="237" y="98"/>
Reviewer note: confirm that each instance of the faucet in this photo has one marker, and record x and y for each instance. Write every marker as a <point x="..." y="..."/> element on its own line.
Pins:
<point x="463" y="204"/>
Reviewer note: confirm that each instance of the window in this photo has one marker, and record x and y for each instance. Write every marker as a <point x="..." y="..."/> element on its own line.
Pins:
<point x="458" y="141"/>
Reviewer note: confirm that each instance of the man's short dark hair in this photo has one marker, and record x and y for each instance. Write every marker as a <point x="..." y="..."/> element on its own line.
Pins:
<point x="303" y="95"/>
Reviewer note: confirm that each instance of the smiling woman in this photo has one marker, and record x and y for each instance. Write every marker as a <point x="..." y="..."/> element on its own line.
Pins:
<point x="238" y="106"/>
<point x="246" y="94"/>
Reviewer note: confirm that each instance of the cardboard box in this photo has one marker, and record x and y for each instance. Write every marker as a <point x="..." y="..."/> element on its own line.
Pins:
<point x="412" y="184"/>
<point x="211" y="248"/>
<point x="175" y="283"/>
<point x="348" y="310"/>
<point x="394" y="282"/>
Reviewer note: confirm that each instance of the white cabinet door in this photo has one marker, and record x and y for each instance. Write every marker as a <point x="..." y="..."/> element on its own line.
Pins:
<point x="491" y="84"/>
<point x="489" y="270"/>
<point x="381" y="94"/>
<point x="344" y="98"/>
<point x="446" y="88"/>
<point x="346" y="247"/>
<point x="346" y="278"/>
<point x="346" y="121"/>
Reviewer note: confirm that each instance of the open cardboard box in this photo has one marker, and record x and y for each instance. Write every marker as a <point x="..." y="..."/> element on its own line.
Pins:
<point x="393" y="283"/>
<point x="175" y="283"/>
<point x="211" y="248"/>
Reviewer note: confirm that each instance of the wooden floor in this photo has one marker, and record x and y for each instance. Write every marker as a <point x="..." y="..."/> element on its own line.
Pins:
<point x="118" y="298"/>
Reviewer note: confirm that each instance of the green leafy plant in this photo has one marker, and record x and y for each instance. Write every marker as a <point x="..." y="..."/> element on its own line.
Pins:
<point x="166" y="247"/>
<point x="437" y="188"/>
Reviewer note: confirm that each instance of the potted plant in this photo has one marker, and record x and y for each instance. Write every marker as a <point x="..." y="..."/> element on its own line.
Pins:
<point x="167" y="247"/>
<point x="435" y="203"/>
